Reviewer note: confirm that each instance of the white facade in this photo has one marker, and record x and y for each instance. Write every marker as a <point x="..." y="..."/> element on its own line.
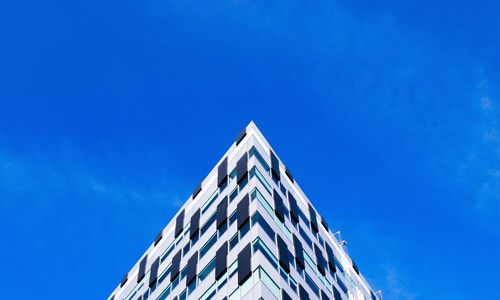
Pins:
<point x="261" y="245"/>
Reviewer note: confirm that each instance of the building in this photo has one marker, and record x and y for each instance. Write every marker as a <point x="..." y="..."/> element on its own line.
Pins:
<point x="247" y="232"/>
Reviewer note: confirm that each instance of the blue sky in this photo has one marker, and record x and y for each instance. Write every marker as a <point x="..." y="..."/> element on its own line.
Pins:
<point x="387" y="113"/>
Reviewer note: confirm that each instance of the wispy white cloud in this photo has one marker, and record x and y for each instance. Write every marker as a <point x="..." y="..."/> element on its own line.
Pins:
<point x="395" y="289"/>
<point x="60" y="189"/>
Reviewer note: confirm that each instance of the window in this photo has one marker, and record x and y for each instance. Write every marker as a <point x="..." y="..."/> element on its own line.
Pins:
<point x="244" y="229"/>
<point x="222" y="229"/>
<point x="233" y="241"/>
<point x="268" y="281"/>
<point x="164" y="274"/>
<point x="257" y="219"/>
<point x="233" y="194"/>
<point x="311" y="284"/>
<point x="233" y="268"/>
<point x="209" y="202"/>
<point x="207" y="270"/>
<point x="208" y="223"/>
<point x="232" y="218"/>
<point x="208" y="245"/>
<point x="255" y="194"/>
<point x="164" y="294"/>
<point x="255" y="172"/>
<point x="167" y="252"/>
<point x="186" y="248"/>
<point x="258" y="245"/>
<point x="260" y="159"/>
<point x="304" y="235"/>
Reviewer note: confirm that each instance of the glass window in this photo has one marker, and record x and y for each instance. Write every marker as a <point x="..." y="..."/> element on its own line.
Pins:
<point x="233" y="218"/>
<point x="165" y="293"/>
<point x="232" y="175"/>
<point x="311" y="284"/>
<point x="222" y="229"/>
<point x="244" y="229"/>
<point x="304" y="235"/>
<point x="257" y="219"/>
<point x="209" y="293"/>
<point x="182" y="296"/>
<point x="255" y="194"/>
<point x="255" y="172"/>
<point x="243" y="182"/>
<point x="167" y="252"/>
<point x="164" y="274"/>
<point x="208" y="245"/>
<point x="186" y="248"/>
<point x="233" y="194"/>
<point x="269" y="282"/>
<point x="233" y="268"/>
<point x="209" y="202"/>
<point x="246" y="286"/>
<point x="207" y="270"/>
<point x="260" y="159"/>
<point x="258" y="245"/>
<point x="208" y="223"/>
<point x="233" y="241"/>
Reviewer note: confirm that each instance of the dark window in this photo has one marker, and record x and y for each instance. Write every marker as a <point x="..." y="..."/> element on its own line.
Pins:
<point x="176" y="262"/>
<point x="244" y="264"/>
<point x="244" y="229"/>
<point x="314" y="221"/>
<point x="221" y="261"/>
<point x="233" y="241"/>
<point x="222" y="173"/>
<point x="196" y="191"/>
<point x="342" y="285"/>
<point x="124" y="280"/>
<point x="142" y="269"/>
<point x="241" y="136"/>
<point x="303" y="295"/>
<point x="222" y="212"/>
<point x="233" y="194"/>
<point x="283" y="253"/>
<point x="336" y="294"/>
<point x="192" y="264"/>
<point x="294" y="209"/>
<point x="279" y="206"/>
<point x="355" y="267"/>
<point x="304" y="235"/>
<point x="324" y="296"/>
<point x="289" y="174"/>
<point x="285" y="296"/>
<point x="186" y="248"/>
<point x="195" y="224"/>
<point x="299" y="252"/>
<point x="311" y="284"/>
<point x="323" y="221"/>
<point x="158" y="237"/>
<point x="331" y="258"/>
<point x="233" y="217"/>
<point x="243" y="211"/>
<point x="179" y="224"/>
<point x="320" y="260"/>
<point x="153" y="272"/>
<point x="242" y="168"/>
<point x="275" y="166"/>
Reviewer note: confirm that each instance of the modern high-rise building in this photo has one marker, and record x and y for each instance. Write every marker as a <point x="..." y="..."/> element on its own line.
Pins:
<point x="247" y="232"/>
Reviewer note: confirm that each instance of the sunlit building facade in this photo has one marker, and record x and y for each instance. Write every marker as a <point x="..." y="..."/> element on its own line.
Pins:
<point x="247" y="232"/>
